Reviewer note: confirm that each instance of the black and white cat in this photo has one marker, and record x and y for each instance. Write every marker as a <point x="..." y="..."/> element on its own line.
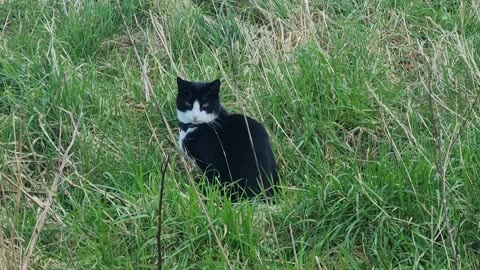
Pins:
<point x="223" y="145"/>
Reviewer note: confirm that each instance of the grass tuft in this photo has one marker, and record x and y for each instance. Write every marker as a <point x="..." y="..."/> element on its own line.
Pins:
<point x="371" y="107"/>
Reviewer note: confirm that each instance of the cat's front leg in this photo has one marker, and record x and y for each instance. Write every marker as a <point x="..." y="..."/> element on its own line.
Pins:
<point x="181" y="136"/>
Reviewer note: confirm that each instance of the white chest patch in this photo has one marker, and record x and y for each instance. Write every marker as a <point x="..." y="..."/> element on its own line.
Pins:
<point x="182" y="136"/>
<point x="195" y="116"/>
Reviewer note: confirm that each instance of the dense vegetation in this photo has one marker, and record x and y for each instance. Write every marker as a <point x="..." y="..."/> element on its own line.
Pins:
<point x="371" y="106"/>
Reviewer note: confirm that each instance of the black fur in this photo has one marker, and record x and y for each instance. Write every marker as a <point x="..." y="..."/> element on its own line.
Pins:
<point x="204" y="92"/>
<point x="223" y="148"/>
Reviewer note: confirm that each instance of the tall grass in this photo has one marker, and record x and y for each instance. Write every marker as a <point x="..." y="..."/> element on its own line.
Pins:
<point x="370" y="107"/>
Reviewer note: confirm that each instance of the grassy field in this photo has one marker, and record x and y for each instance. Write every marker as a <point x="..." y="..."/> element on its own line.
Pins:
<point x="372" y="107"/>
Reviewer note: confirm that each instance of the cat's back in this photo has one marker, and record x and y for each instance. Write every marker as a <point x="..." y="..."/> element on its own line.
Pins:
<point x="236" y="125"/>
<point x="244" y="135"/>
<point x="248" y="144"/>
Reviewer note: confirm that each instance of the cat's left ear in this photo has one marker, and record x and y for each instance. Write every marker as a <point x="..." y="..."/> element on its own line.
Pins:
<point x="215" y="86"/>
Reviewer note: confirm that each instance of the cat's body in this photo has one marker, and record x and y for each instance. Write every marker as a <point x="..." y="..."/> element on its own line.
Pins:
<point x="221" y="144"/>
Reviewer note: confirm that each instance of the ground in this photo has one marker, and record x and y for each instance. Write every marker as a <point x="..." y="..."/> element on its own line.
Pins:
<point x="372" y="107"/>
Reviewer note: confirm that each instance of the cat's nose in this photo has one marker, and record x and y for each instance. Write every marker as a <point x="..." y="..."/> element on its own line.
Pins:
<point x="195" y="118"/>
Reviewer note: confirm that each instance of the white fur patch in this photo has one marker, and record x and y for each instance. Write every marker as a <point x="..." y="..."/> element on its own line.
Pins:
<point x="182" y="136"/>
<point x="195" y="115"/>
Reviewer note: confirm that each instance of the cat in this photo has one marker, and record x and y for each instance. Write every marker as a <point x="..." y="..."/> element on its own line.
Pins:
<point x="221" y="144"/>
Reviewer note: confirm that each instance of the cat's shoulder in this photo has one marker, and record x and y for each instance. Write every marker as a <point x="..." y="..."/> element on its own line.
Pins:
<point x="237" y="122"/>
<point x="236" y="117"/>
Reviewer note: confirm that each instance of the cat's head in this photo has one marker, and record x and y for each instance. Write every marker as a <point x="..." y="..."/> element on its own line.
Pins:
<point x="198" y="102"/>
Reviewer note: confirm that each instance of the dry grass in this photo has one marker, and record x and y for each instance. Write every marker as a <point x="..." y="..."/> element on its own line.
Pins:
<point x="372" y="109"/>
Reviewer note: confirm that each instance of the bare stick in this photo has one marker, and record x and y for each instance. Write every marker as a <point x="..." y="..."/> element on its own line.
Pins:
<point x="41" y="218"/>
<point x="159" y="232"/>
<point x="148" y="87"/>
<point x="293" y="244"/>
<point x="441" y="168"/>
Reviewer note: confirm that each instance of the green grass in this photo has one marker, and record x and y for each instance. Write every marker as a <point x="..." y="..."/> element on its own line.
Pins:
<point x="365" y="102"/>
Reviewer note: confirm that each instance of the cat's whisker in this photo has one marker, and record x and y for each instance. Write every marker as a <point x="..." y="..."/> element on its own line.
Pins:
<point x="215" y="123"/>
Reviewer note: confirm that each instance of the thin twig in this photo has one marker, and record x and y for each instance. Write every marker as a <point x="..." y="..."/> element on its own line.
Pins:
<point x="441" y="168"/>
<point x="453" y="141"/>
<point x="293" y="244"/>
<point x="148" y="87"/>
<point x="42" y="216"/>
<point x="159" y="232"/>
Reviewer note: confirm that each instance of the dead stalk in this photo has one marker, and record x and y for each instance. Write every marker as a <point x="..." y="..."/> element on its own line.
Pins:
<point x="53" y="189"/>
<point x="148" y="88"/>
<point x="160" y="201"/>
<point x="441" y="168"/>
<point x="28" y="194"/>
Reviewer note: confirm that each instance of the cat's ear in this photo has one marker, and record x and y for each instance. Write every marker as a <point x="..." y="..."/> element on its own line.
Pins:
<point x="215" y="86"/>
<point x="180" y="84"/>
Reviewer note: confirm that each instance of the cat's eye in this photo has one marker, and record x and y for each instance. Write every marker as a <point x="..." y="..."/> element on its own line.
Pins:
<point x="205" y="105"/>
<point x="188" y="104"/>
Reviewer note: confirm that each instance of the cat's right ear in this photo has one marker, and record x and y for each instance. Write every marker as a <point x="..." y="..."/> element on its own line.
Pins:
<point x="180" y="84"/>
